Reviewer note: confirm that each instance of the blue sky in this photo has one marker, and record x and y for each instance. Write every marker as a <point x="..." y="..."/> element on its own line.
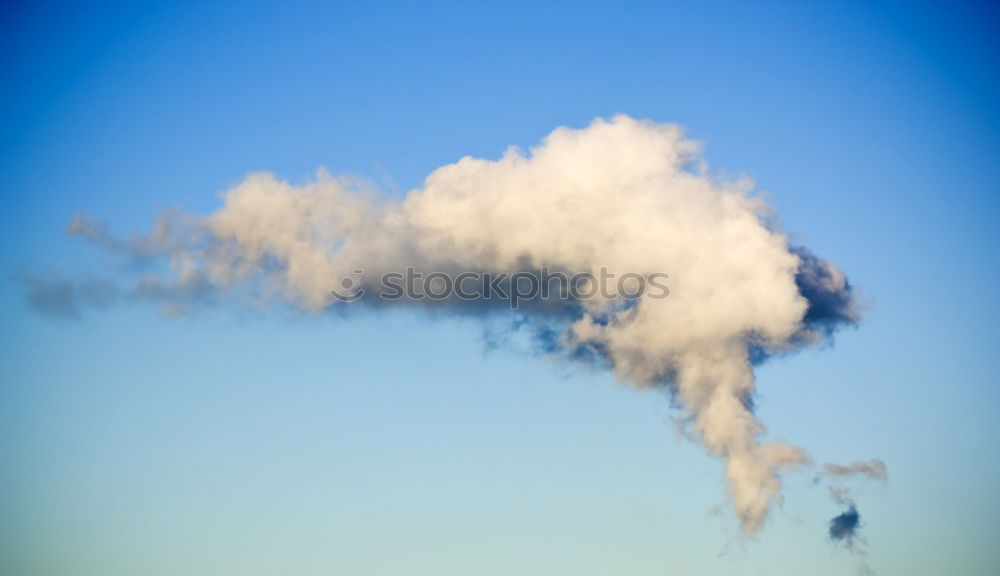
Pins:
<point x="256" y="442"/>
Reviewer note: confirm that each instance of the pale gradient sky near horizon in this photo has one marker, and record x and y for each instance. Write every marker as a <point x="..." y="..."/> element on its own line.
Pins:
<point x="241" y="441"/>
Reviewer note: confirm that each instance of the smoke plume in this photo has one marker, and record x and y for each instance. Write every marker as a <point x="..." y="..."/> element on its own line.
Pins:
<point x="845" y="527"/>
<point x="874" y="469"/>
<point x="622" y="194"/>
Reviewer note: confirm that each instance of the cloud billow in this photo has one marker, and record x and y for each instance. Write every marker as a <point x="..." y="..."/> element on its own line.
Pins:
<point x="626" y="195"/>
